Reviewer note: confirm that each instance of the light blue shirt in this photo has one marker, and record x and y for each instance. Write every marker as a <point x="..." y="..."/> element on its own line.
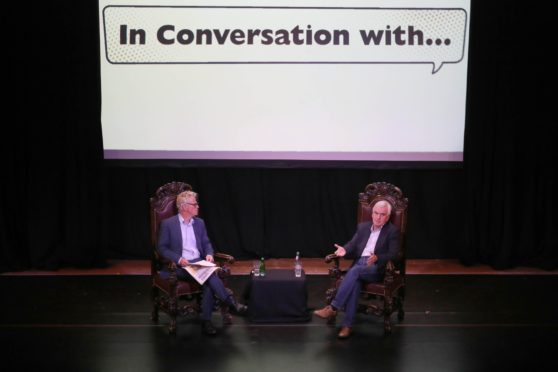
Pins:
<point x="189" y="247"/>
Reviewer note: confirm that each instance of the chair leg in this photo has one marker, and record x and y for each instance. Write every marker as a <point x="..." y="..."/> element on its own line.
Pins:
<point x="387" y="324"/>
<point x="172" y="326"/>
<point x="173" y="312"/>
<point x="155" y="314"/>
<point x="400" y="311"/>
<point x="400" y="300"/>
<point x="155" y="301"/>
<point x="388" y="310"/>
<point x="331" y="320"/>
<point x="330" y="295"/>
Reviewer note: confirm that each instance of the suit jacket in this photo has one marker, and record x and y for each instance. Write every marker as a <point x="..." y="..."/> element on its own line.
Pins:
<point x="169" y="244"/>
<point x="386" y="248"/>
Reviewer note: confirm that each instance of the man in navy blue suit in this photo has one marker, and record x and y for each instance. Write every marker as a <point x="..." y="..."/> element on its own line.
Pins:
<point x="183" y="239"/>
<point x="373" y="245"/>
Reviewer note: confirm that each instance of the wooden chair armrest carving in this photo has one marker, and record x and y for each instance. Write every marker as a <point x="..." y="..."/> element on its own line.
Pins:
<point x="224" y="258"/>
<point x="390" y="272"/>
<point x="332" y="257"/>
<point x="334" y="271"/>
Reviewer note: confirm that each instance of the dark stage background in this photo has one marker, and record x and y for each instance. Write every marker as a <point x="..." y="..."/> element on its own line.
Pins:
<point x="62" y="205"/>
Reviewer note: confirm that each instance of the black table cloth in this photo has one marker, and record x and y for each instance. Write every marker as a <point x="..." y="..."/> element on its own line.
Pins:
<point x="278" y="297"/>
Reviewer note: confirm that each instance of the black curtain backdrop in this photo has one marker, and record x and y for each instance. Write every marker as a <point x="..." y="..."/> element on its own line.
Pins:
<point x="62" y="205"/>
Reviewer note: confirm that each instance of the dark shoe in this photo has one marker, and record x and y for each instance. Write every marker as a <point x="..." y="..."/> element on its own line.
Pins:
<point x="239" y="309"/>
<point x="208" y="328"/>
<point x="345" y="332"/>
<point x="326" y="313"/>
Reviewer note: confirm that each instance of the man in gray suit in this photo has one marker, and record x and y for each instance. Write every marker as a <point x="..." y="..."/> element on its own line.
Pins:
<point x="183" y="239"/>
<point x="373" y="245"/>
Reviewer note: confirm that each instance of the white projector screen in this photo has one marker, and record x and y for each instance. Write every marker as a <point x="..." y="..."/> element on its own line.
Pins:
<point x="336" y="80"/>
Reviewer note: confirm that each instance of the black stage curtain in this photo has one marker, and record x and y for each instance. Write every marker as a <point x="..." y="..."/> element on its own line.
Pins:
<point x="510" y="150"/>
<point x="62" y="205"/>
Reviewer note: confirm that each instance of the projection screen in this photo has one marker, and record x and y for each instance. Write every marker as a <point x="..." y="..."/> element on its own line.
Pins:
<point x="335" y="80"/>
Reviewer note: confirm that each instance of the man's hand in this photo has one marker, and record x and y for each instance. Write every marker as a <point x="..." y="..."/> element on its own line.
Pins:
<point x="209" y="258"/>
<point x="340" y="251"/>
<point x="371" y="260"/>
<point x="183" y="262"/>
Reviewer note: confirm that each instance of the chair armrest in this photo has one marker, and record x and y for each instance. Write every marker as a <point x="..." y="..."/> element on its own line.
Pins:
<point x="162" y="261"/>
<point x="158" y="262"/>
<point x="334" y="271"/>
<point x="332" y="257"/>
<point x="391" y="272"/>
<point x="223" y="261"/>
<point x="223" y="257"/>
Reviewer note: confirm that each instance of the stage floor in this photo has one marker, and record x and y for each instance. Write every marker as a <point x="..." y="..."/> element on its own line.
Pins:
<point x="452" y="323"/>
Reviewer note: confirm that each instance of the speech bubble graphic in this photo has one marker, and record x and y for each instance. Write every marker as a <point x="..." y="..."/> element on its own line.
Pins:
<point x="313" y="35"/>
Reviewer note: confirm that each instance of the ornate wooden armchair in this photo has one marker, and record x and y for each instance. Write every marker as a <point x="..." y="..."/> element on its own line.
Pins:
<point x="170" y="295"/>
<point x="383" y="298"/>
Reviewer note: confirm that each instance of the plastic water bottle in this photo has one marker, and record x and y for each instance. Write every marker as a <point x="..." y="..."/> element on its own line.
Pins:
<point x="262" y="267"/>
<point x="298" y="265"/>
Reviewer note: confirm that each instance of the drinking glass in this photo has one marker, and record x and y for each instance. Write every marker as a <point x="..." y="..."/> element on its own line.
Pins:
<point x="256" y="268"/>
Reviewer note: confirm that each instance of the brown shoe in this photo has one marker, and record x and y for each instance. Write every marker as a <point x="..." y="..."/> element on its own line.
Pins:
<point x="326" y="313"/>
<point x="345" y="332"/>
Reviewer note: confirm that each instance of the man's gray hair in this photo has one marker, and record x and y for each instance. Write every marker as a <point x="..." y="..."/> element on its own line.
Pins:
<point x="182" y="198"/>
<point x="384" y="203"/>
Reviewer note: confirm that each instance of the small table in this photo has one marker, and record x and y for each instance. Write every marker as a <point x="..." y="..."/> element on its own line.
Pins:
<point x="278" y="297"/>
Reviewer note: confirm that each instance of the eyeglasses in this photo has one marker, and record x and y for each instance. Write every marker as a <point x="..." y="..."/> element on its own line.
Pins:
<point x="193" y="204"/>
